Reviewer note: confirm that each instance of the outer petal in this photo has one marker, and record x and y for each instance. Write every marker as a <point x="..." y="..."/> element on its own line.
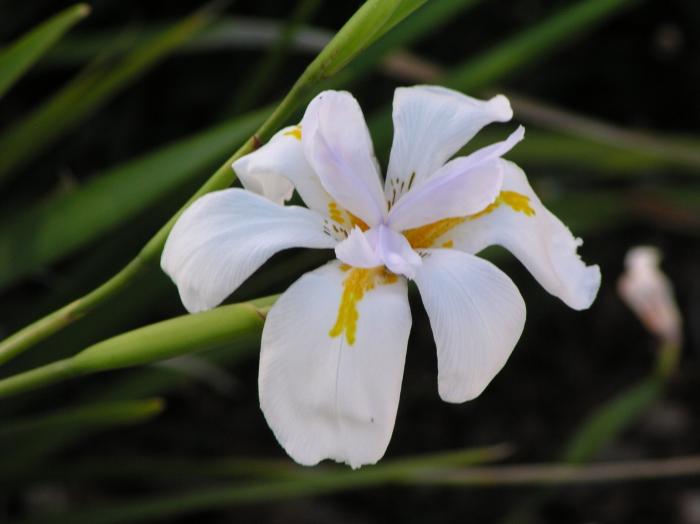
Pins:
<point x="322" y="397"/>
<point x="458" y="189"/>
<point x="430" y="125"/>
<point x="338" y="146"/>
<point x="278" y="167"/>
<point x="539" y="239"/>
<point x="494" y="151"/>
<point x="477" y="316"/>
<point x="221" y="239"/>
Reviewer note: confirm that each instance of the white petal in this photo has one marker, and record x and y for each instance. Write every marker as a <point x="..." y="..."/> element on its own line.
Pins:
<point x="379" y="246"/>
<point x="338" y="146"/>
<point x="358" y="251"/>
<point x="223" y="237"/>
<point x="477" y="316"/>
<point x="540" y="241"/>
<point x="396" y="253"/>
<point x="278" y="167"/>
<point x="430" y="125"/>
<point x="458" y="189"/>
<point x="496" y="150"/>
<point x="322" y="396"/>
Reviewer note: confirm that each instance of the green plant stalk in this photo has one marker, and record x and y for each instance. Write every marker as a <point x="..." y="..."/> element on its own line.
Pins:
<point x="390" y="472"/>
<point x="312" y="482"/>
<point x="227" y="33"/>
<point x="618" y="413"/>
<point x="606" y="423"/>
<point x="89" y="415"/>
<point x="57" y="226"/>
<point x="677" y="151"/>
<point x="359" y="32"/>
<point x="231" y="467"/>
<point x="88" y="91"/>
<point x="253" y="90"/>
<point x="163" y="340"/>
<point x="33" y="439"/>
<point x="532" y="44"/>
<point x="430" y="17"/>
<point x="22" y="54"/>
<point x="513" y="54"/>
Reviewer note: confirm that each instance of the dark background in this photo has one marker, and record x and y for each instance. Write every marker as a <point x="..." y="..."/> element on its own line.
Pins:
<point x="640" y="69"/>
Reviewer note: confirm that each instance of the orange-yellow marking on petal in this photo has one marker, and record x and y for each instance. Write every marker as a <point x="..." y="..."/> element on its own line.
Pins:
<point x="357" y="221"/>
<point x="335" y="213"/>
<point x="339" y="215"/>
<point x="517" y="201"/>
<point x="296" y="132"/>
<point x="493" y="205"/>
<point x="355" y="285"/>
<point x="425" y="236"/>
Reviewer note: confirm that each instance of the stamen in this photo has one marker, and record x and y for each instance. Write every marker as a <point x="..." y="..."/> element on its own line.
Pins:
<point x="339" y="215"/>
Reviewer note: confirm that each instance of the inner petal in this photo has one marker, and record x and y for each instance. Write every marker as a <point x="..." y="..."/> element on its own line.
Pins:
<point x="434" y="234"/>
<point x="379" y="246"/>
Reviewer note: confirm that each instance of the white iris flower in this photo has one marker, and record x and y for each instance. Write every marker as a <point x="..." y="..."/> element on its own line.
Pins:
<point x="334" y="344"/>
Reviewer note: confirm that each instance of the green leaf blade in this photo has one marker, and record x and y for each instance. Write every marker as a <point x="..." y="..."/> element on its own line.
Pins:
<point x="20" y="56"/>
<point x="89" y="91"/>
<point x="58" y="226"/>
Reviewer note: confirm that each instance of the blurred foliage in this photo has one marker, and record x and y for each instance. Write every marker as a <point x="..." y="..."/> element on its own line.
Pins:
<point x="142" y="133"/>
<point x="19" y="56"/>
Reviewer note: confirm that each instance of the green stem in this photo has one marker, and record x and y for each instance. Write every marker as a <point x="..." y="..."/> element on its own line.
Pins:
<point x="606" y="424"/>
<point x="360" y="31"/>
<point x="34" y="439"/>
<point x="42" y="328"/>
<point x="129" y="467"/>
<point x="163" y="340"/>
<point x="252" y="91"/>
<point x="396" y="472"/>
<point x="308" y="482"/>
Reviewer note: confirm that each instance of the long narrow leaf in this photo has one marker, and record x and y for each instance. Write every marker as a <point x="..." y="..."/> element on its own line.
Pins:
<point x="305" y="484"/>
<point x="81" y="417"/>
<point x="25" y="51"/>
<point x="533" y="44"/>
<point x="514" y="54"/>
<point x="86" y="93"/>
<point x="253" y="89"/>
<point x="34" y="439"/>
<point x="226" y="34"/>
<point x="48" y="231"/>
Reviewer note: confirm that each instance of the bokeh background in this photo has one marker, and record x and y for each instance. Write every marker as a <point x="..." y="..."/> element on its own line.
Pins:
<point x="612" y="108"/>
